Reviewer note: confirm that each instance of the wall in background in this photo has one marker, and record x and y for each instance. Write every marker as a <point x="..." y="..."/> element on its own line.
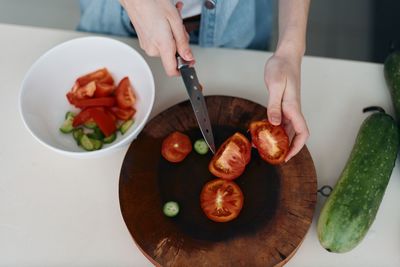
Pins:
<point x="348" y="29"/>
<point x="60" y="14"/>
<point x="341" y="29"/>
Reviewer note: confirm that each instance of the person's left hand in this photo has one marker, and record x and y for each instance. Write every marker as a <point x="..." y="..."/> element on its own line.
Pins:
<point x="282" y="78"/>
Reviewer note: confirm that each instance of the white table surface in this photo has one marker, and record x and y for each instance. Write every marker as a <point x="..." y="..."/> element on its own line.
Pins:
<point x="59" y="211"/>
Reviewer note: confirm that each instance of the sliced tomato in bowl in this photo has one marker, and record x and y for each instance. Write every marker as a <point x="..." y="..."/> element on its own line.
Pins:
<point x="176" y="146"/>
<point x="221" y="200"/>
<point x="104" y="89"/>
<point x="95" y="102"/>
<point x="98" y="75"/>
<point x="271" y="141"/>
<point x="103" y="120"/>
<point x="124" y="94"/>
<point x="230" y="160"/>
<point x="123" y="114"/>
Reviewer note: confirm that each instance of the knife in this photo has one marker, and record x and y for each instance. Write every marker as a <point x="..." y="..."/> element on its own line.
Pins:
<point x="197" y="100"/>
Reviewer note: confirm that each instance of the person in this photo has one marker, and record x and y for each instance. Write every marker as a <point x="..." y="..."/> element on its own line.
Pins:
<point x="160" y="28"/>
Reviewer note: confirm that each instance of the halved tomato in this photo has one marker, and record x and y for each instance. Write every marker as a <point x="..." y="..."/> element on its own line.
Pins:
<point x="124" y="94"/>
<point x="176" y="146"/>
<point x="271" y="141"/>
<point x="231" y="158"/>
<point x="221" y="200"/>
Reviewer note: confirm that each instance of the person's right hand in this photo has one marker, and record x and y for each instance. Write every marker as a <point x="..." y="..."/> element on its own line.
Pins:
<point x="160" y="29"/>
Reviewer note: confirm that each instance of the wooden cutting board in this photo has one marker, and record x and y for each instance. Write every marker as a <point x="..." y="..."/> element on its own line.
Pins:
<point x="279" y="201"/>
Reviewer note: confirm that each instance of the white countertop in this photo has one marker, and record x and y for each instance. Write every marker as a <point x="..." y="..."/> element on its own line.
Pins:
<point x="59" y="211"/>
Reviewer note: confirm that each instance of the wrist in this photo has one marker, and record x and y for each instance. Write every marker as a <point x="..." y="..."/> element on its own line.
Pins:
<point x="289" y="48"/>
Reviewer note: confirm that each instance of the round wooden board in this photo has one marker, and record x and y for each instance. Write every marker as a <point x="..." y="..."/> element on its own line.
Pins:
<point x="279" y="201"/>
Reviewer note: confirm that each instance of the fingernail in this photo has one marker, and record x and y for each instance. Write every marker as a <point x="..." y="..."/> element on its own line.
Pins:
<point x="189" y="55"/>
<point x="275" y="120"/>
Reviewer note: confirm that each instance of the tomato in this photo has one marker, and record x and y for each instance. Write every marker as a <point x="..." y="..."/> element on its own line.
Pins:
<point x="231" y="158"/>
<point x="99" y="75"/>
<point x="83" y="92"/>
<point x="103" y="89"/>
<point x="221" y="200"/>
<point x="123" y="114"/>
<point x="103" y="120"/>
<point x="271" y="141"/>
<point x="175" y="147"/>
<point x="82" y="117"/>
<point x="95" y="102"/>
<point x="124" y="94"/>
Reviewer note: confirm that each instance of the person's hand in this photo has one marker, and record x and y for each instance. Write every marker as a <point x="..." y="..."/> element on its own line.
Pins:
<point x="282" y="78"/>
<point x="161" y="32"/>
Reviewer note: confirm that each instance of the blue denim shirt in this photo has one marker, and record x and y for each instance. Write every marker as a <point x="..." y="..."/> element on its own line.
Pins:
<point x="232" y="23"/>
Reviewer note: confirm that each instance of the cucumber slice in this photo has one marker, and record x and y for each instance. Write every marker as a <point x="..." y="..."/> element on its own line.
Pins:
<point x="86" y="143"/>
<point x="201" y="147"/>
<point x="171" y="209"/>
<point x="67" y="127"/>
<point x="77" y="134"/>
<point x="125" y="126"/>
<point x="90" y="124"/>
<point x="97" y="144"/>
<point x="69" y="114"/>
<point x="96" y="134"/>
<point x="109" y="139"/>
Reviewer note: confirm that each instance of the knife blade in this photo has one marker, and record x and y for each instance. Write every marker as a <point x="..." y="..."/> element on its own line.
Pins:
<point x="197" y="100"/>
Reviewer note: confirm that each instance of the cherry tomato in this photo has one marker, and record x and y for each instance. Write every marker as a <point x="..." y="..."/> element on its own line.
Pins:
<point x="231" y="158"/>
<point x="123" y="114"/>
<point x="175" y="147"/>
<point x="271" y="141"/>
<point x="221" y="200"/>
<point x="124" y="94"/>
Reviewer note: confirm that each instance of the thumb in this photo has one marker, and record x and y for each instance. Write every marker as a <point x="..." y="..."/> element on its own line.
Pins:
<point x="274" y="107"/>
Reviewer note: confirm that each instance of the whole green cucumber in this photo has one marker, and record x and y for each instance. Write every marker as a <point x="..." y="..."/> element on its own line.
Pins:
<point x="352" y="206"/>
<point x="392" y="76"/>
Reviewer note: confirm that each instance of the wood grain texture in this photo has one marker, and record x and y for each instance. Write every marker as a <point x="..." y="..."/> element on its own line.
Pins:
<point x="279" y="201"/>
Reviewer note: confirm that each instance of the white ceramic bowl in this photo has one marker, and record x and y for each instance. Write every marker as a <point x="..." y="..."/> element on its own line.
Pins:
<point x="42" y="99"/>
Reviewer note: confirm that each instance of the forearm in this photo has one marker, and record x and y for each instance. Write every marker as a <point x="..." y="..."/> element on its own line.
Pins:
<point x="292" y="22"/>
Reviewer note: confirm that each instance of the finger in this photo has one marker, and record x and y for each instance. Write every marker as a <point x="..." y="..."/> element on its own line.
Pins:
<point x="179" y="6"/>
<point x="181" y="39"/>
<point x="152" y="52"/>
<point x="301" y="135"/>
<point x="287" y="125"/>
<point x="168" y="59"/>
<point x="276" y="87"/>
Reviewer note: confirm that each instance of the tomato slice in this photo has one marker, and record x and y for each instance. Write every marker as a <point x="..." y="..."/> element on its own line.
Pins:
<point x="123" y="114"/>
<point x="81" y="92"/>
<point x="98" y="75"/>
<point x="221" y="200"/>
<point x="231" y="158"/>
<point x="124" y="94"/>
<point x="103" y="120"/>
<point x="175" y="147"/>
<point x="82" y="117"/>
<point x="95" y="102"/>
<point x="103" y="89"/>
<point x="271" y="141"/>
